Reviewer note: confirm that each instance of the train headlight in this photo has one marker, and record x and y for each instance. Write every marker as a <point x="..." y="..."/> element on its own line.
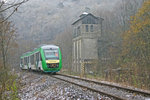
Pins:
<point x="57" y="65"/>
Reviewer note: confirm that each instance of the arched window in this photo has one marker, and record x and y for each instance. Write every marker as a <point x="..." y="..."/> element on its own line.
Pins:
<point x="91" y="28"/>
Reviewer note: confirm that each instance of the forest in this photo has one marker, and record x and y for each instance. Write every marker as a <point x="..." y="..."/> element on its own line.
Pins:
<point x="124" y="52"/>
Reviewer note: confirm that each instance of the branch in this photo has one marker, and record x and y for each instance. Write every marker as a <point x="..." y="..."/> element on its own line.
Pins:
<point x="14" y="5"/>
<point x="2" y="3"/>
<point x="8" y="42"/>
<point x="6" y="37"/>
<point x="10" y="15"/>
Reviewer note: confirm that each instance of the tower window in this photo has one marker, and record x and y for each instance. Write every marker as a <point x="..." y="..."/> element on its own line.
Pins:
<point x="87" y="28"/>
<point x="75" y="33"/>
<point x="91" y="28"/>
<point x="78" y="30"/>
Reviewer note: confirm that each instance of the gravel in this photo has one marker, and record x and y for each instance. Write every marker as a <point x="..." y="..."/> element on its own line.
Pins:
<point x="107" y="89"/>
<point x="36" y="86"/>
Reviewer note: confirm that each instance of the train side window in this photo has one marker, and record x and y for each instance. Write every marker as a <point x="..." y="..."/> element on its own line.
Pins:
<point x="32" y="59"/>
<point x="21" y="61"/>
<point x="37" y="56"/>
<point x="40" y="56"/>
<point x="25" y="61"/>
<point x="28" y="60"/>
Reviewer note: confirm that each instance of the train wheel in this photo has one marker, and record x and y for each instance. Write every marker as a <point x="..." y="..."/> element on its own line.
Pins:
<point x="29" y="69"/>
<point x="39" y="69"/>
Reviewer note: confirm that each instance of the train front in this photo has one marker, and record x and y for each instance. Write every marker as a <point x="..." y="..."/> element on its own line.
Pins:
<point x="52" y="55"/>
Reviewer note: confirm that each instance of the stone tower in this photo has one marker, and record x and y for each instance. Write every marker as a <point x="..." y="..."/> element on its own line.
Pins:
<point x="86" y="32"/>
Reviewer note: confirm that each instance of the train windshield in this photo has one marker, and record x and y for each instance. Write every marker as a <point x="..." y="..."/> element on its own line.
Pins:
<point x="51" y="54"/>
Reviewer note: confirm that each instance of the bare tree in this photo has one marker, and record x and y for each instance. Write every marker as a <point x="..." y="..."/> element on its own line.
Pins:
<point x="6" y="31"/>
<point x="7" y="34"/>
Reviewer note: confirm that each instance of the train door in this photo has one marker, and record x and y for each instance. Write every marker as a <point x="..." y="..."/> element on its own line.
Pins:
<point x="37" y="60"/>
<point x="40" y="62"/>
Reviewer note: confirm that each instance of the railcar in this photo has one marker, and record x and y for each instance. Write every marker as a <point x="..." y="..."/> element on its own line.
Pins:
<point x="46" y="58"/>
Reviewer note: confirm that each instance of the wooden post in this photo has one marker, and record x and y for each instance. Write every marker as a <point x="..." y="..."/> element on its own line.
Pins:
<point x="82" y="69"/>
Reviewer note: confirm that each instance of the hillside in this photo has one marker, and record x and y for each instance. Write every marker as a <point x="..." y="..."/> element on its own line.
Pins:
<point x="43" y="19"/>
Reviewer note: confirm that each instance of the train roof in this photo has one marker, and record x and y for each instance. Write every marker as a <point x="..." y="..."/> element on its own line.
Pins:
<point x="25" y="54"/>
<point x="37" y="49"/>
<point x="49" y="46"/>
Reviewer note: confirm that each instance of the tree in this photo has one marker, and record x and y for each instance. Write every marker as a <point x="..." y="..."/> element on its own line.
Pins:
<point x="137" y="38"/>
<point x="7" y="34"/>
<point x="6" y="37"/>
<point x="136" y="45"/>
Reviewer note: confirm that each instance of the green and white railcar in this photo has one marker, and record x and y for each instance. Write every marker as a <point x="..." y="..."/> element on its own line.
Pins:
<point x="47" y="58"/>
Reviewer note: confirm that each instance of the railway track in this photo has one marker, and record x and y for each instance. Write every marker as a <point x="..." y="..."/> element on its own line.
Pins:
<point x="113" y="91"/>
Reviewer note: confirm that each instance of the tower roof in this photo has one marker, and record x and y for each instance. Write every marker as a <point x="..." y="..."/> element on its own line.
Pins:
<point x="84" y="14"/>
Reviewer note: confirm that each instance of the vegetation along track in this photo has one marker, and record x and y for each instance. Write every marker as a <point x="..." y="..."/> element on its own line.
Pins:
<point x="114" y="91"/>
